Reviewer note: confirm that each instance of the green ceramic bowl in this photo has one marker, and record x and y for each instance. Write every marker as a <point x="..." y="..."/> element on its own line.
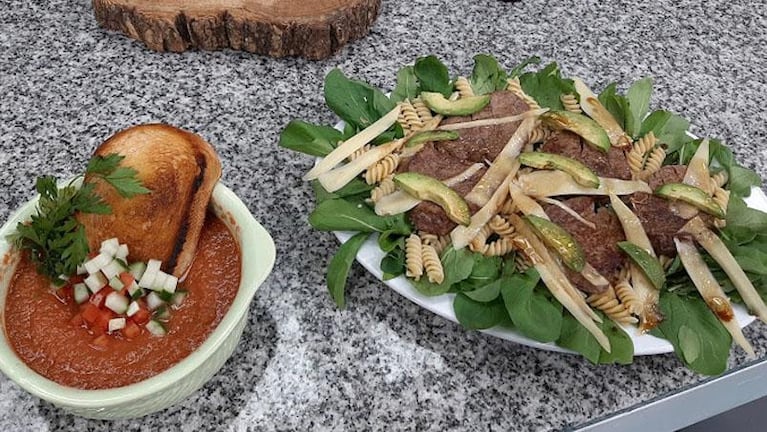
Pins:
<point x="181" y="380"/>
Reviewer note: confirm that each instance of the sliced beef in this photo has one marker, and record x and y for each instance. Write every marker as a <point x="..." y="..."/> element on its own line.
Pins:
<point x="435" y="162"/>
<point x="599" y="245"/>
<point x="446" y="159"/>
<point x="658" y="222"/>
<point x="667" y="174"/>
<point x="611" y="164"/>
<point x="429" y="217"/>
<point x="484" y="143"/>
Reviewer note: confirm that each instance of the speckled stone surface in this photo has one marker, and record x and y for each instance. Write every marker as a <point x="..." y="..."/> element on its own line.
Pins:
<point x="384" y="363"/>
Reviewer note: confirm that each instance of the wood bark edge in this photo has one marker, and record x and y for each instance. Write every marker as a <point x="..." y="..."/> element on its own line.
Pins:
<point x="312" y="39"/>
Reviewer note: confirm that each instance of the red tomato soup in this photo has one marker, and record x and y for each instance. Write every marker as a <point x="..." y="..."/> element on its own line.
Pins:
<point x="41" y="329"/>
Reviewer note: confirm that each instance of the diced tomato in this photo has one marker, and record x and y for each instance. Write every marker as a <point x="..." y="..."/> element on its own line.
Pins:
<point x="90" y="313"/>
<point x="126" y="278"/>
<point x="66" y="293"/>
<point x="100" y="297"/>
<point x="131" y="330"/>
<point x="102" y="322"/>
<point x="76" y="279"/>
<point x="77" y="320"/>
<point x="101" y="341"/>
<point x="142" y="316"/>
<point x="92" y="255"/>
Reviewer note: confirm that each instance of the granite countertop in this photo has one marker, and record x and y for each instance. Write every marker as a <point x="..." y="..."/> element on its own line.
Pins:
<point x="383" y="363"/>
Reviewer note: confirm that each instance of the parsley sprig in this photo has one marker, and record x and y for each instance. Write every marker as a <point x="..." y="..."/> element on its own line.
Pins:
<point x="55" y="239"/>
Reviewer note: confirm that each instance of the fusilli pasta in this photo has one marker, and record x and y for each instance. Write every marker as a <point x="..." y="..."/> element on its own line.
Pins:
<point x="464" y="87"/>
<point x="414" y="257"/>
<point x="411" y="117"/>
<point x="570" y="102"/>
<point x="432" y="265"/>
<point x="477" y="244"/>
<point x="384" y="188"/>
<point x="625" y="293"/>
<point x="423" y="111"/>
<point x="357" y="153"/>
<point x="501" y="226"/>
<point x="722" y="197"/>
<point x="382" y="169"/>
<point x="439" y="243"/>
<point x="499" y="247"/>
<point x="539" y="135"/>
<point x="514" y="86"/>
<point x="609" y="303"/>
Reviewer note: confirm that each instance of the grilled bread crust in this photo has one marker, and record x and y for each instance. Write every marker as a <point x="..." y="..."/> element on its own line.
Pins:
<point x="180" y="169"/>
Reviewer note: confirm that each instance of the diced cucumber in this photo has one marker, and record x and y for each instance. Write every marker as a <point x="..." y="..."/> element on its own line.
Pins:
<point x="165" y="295"/>
<point x="133" y="307"/>
<point x="171" y="282"/>
<point x="81" y="270"/>
<point x="95" y="282"/>
<point x="122" y="252"/>
<point x="179" y="297"/>
<point x="116" y="302"/>
<point x="97" y="263"/>
<point x="116" y="283"/>
<point x="81" y="293"/>
<point x="162" y="313"/>
<point x="153" y="301"/>
<point x="159" y="281"/>
<point x="151" y="272"/>
<point x="156" y="328"/>
<point x="110" y="246"/>
<point x="134" y="291"/>
<point x="137" y="269"/>
<point x="114" y="268"/>
<point x="116" y="324"/>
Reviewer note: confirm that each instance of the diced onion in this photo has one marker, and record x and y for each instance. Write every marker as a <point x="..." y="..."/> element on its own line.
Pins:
<point x="95" y="282"/>
<point x="117" y="302"/>
<point x="116" y="324"/>
<point x="147" y="279"/>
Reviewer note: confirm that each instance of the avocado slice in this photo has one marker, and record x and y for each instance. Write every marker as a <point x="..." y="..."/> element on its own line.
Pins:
<point x="649" y="265"/>
<point x="578" y="171"/>
<point x="460" y="107"/>
<point x="692" y="195"/>
<point x="557" y="238"/>
<point x="421" y="137"/>
<point x="428" y="188"/>
<point x="579" y="124"/>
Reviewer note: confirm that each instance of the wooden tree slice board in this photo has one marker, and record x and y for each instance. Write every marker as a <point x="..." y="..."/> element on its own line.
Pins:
<point x="313" y="29"/>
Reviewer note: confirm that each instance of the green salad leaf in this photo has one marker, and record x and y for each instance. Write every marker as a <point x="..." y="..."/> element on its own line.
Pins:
<point x="433" y="75"/>
<point x="340" y="264"/>
<point x="457" y="265"/>
<point x="487" y="76"/>
<point x="699" y="339"/>
<point x="669" y="128"/>
<point x="407" y="85"/>
<point x="343" y="215"/>
<point x="546" y="86"/>
<point x="309" y="139"/>
<point x="476" y="315"/>
<point x="531" y="311"/>
<point x="357" y="103"/>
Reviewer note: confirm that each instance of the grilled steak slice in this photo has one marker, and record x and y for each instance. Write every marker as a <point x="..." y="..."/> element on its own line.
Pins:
<point x="435" y="162"/>
<point x="667" y="174"/>
<point x="484" y="143"/>
<point x="430" y="218"/>
<point x="599" y="245"/>
<point x="611" y="164"/>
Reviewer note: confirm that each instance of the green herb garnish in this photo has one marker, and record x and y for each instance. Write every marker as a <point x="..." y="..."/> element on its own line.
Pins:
<point x="55" y="239"/>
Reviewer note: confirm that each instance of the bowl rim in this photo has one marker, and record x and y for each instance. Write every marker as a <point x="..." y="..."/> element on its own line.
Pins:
<point x="258" y="255"/>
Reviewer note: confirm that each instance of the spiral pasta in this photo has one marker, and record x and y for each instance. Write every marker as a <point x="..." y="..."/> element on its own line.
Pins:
<point x="439" y="243"/>
<point x="514" y="86"/>
<point x="477" y="244"/>
<point x="625" y="293"/>
<point x="414" y="265"/>
<point x="386" y="187"/>
<point x="464" y="87"/>
<point x="410" y="116"/>
<point x="636" y="156"/>
<point x="570" y="102"/>
<point x="720" y="178"/>
<point x="722" y="197"/>
<point x="653" y="163"/>
<point x="359" y="152"/>
<point x="423" y="111"/>
<point x="501" y="226"/>
<point x="539" y="135"/>
<point x="382" y="169"/>
<point x="432" y="265"/>
<point x="609" y="303"/>
<point x="499" y="247"/>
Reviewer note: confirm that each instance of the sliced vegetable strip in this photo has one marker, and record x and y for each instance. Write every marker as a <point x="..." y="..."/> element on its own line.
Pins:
<point x="718" y="250"/>
<point x="556" y="183"/>
<point x="559" y="286"/>
<point x="338" y="177"/>
<point x="711" y="291"/>
<point x="591" y="106"/>
<point x="462" y="235"/>
<point x="493" y="121"/>
<point x="353" y="144"/>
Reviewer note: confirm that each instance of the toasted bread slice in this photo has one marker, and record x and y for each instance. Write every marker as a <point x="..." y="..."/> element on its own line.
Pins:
<point x="180" y="169"/>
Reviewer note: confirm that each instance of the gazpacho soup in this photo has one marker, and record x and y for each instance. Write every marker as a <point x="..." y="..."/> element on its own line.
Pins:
<point x="98" y="332"/>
